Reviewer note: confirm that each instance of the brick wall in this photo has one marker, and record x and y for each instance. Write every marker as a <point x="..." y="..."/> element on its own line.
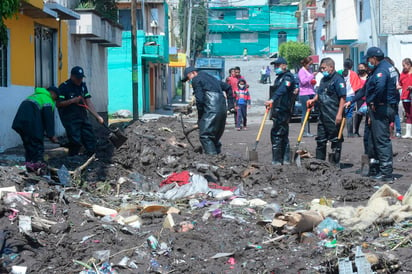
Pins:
<point x="396" y="16"/>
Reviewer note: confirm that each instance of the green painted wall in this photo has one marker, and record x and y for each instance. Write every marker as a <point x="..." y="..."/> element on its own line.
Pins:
<point x="282" y="19"/>
<point x="291" y="35"/>
<point x="258" y="19"/>
<point x="266" y="21"/>
<point x="231" y="45"/>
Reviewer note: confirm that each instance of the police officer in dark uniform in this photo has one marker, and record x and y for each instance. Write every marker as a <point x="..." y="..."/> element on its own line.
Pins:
<point x="281" y="99"/>
<point x="382" y="100"/>
<point x="211" y="107"/>
<point x="331" y="95"/>
<point x="74" y="93"/>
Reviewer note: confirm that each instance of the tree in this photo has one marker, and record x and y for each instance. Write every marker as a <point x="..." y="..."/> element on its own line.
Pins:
<point x="107" y="8"/>
<point x="199" y="24"/>
<point x="294" y="52"/>
<point x="8" y="8"/>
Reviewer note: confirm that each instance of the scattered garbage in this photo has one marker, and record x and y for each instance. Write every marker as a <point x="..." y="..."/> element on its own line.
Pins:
<point x="328" y="228"/>
<point x="152" y="242"/>
<point x="158" y="207"/>
<point x="64" y="176"/>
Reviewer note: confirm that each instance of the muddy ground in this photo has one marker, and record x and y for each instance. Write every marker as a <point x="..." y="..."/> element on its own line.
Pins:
<point x="72" y="233"/>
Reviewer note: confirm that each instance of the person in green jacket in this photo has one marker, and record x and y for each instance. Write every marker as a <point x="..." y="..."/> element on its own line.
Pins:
<point x="34" y="119"/>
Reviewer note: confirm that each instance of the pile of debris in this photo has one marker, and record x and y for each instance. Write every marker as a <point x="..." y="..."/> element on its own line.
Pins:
<point x="155" y="205"/>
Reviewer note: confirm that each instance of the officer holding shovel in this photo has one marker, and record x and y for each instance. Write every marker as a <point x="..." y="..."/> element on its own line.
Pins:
<point x="281" y="101"/>
<point x="331" y="96"/>
<point x="74" y="117"/>
<point x="211" y="107"/>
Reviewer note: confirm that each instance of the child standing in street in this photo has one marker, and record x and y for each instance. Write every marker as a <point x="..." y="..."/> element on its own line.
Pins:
<point x="242" y="103"/>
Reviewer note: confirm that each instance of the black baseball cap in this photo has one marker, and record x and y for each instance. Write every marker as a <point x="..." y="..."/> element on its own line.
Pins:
<point x="186" y="72"/>
<point x="78" y="72"/>
<point x="279" y="61"/>
<point x="54" y="89"/>
<point x="374" y="52"/>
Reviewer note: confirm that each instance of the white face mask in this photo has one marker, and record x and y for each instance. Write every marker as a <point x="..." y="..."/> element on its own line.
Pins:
<point x="241" y="86"/>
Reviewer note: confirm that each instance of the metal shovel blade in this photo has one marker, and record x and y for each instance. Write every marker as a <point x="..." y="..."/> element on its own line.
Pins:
<point x="117" y="138"/>
<point x="251" y="154"/>
<point x="364" y="165"/>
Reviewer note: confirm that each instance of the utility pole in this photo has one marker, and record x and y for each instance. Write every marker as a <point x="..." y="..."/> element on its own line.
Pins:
<point x="188" y="37"/>
<point x="134" y="62"/>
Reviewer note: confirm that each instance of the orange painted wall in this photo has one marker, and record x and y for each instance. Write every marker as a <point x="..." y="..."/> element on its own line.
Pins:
<point x="21" y="50"/>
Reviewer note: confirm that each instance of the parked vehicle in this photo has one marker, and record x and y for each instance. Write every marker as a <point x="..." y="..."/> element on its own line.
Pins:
<point x="215" y="66"/>
<point x="297" y="112"/>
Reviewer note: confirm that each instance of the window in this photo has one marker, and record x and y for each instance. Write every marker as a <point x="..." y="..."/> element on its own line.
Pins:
<point x="249" y="37"/>
<point x="360" y="10"/>
<point x="242" y="14"/>
<point x="125" y="19"/>
<point x="215" y="38"/>
<point x="44" y="46"/>
<point x="3" y="66"/>
<point x="282" y="37"/>
<point x="218" y="15"/>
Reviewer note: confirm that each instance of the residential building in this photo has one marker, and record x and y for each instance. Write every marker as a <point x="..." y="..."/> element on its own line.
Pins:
<point x="36" y="55"/>
<point x="153" y="57"/>
<point x="349" y="28"/>
<point x="258" y="26"/>
<point x="46" y="39"/>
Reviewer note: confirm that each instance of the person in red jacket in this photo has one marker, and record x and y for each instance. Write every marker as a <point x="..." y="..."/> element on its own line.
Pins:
<point x="405" y="82"/>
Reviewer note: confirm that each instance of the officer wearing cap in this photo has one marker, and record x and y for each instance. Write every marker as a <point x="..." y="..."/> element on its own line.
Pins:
<point x="211" y="107"/>
<point x="282" y="95"/>
<point x="73" y="94"/>
<point x="381" y="98"/>
<point x="331" y="96"/>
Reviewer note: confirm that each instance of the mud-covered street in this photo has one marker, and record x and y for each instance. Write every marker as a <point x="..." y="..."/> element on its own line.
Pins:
<point x="156" y="206"/>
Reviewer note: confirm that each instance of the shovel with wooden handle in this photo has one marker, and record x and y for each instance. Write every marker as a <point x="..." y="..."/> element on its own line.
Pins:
<point x="116" y="137"/>
<point x="331" y="156"/>
<point x="252" y="154"/>
<point x="296" y="155"/>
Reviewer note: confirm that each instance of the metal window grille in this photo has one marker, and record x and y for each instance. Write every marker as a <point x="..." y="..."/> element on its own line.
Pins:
<point x="3" y="66"/>
<point x="215" y="38"/>
<point x="242" y="14"/>
<point x="249" y="37"/>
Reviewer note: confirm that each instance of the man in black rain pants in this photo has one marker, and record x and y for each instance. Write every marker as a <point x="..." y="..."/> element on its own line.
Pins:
<point x="331" y="95"/>
<point x="282" y="97"/>
<point x="211" y="107"/>
<point x="74" y="117"/>
<point x="382" y="99"/>
<point x="34" y="118"/>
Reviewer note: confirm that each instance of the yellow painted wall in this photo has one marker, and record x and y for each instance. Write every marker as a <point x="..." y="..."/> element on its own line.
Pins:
<point x="21" y="43"/>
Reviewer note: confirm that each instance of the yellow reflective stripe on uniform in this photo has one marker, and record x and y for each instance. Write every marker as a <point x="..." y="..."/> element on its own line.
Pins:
<point x="61" y="96"/>
<point x="87" y="94"/>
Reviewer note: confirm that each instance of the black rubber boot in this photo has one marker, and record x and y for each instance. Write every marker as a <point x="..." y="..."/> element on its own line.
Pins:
<point x="321" y="151"/>
<point x="357" y="121"/>
<point x="277" y="155"/>
<point x="349" y="126"/>
<point x="286" y="155"/>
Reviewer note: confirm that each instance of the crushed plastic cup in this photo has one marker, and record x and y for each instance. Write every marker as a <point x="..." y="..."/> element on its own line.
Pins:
<point x="102" y="255"/>
<point x="64" y="176"/>
<point x="269" y="211"/>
